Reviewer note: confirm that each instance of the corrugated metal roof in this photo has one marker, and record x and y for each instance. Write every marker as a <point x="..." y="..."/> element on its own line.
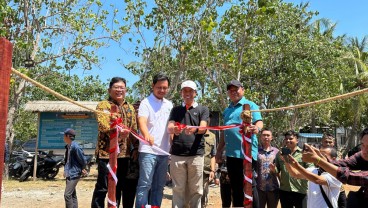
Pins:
<point x="58" y="106"/>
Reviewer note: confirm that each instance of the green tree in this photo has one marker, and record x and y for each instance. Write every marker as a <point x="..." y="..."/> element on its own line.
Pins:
<point x="185" y="46"/>
<point x="87" y="89"/>
<point x="273" y="47"/>
<point x="56" y="35"/>
<point x="290" y="62"/>
<point x="356" y="79"/>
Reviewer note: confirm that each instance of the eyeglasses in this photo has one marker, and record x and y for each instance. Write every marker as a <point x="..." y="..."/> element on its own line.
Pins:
<point x="119" y="88"/>
<point x="162" y="88"/>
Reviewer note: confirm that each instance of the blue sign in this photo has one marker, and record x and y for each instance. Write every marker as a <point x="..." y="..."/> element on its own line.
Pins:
<point x="52" y="124"/>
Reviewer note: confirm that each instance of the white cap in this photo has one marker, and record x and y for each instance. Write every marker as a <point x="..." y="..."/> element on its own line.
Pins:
<point x="190" y="84"/>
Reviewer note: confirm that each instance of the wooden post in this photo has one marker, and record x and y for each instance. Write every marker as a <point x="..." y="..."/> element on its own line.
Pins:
<point x="111" y="183"/>
<point x="6" y="51"/>
<point x="246" y="116"/>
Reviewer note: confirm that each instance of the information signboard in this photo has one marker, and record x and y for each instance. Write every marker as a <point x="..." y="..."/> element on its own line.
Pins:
<point x="51" y="124"/>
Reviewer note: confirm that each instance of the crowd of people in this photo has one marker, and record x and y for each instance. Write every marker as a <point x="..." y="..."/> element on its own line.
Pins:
<point x="311" y="176"/>
<point x="289" y="175"/>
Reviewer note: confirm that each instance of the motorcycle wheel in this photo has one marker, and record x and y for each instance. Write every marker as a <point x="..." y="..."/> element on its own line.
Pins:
<point x="19" y="172"/>
<point x="15" y="172"/>
<point x="24" y="176"/>
<point x="52" y="174"/>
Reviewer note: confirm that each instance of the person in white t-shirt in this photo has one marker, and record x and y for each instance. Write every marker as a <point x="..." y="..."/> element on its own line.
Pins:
<point x="316" y="176"/>
<point x="153" y="115"/>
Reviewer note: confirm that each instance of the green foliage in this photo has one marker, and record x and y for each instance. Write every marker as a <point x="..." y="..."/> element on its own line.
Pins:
<point x="273" y="47"/>
<point x="26" y="126"/>
<point x="58" y="36"/>
<point x="87" y="89"/>
<point x="276" y="50"/>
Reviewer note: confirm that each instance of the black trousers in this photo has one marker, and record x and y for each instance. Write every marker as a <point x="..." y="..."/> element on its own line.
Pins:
<point x="125" y="188"/>
<point x="341" y="202"/>
<point x="289" y="199"/>
<point x="99" y="194"/>
<point x="356" y="199"/>
<point x="225" y="190"/>
<point x="235" y="173"/>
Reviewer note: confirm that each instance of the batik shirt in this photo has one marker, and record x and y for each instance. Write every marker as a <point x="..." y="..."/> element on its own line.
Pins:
<point x="266" y="181"/>
<point x="126" y="112"/>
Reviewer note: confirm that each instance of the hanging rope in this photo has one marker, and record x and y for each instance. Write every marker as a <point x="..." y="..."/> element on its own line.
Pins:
<point x="62" y="97"/>
<point x="56" y="94"/>
<point x="338" y="97"/>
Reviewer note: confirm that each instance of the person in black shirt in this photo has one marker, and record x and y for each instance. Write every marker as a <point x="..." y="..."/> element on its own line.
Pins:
<point x="187" y="149"/>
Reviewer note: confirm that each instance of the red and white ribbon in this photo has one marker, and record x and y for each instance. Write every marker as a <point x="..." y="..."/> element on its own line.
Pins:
<point x="140" y="138"/>
<point x="217" y="128"/>
<point x="112" y="165"/>
<point x="113" y="203"/>
<point x="246" y="145"/>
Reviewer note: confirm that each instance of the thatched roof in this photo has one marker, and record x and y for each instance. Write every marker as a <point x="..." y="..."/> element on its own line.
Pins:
<point x="58" y="106"/>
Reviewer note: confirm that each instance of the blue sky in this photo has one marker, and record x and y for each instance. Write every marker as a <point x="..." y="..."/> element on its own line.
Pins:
<point x="351" y="17"/>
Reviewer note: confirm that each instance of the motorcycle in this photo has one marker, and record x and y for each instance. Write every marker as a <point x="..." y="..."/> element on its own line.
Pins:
<point x="18" y="164"/>
<point x="47" y="166"/>
<point x="17" y="167"/>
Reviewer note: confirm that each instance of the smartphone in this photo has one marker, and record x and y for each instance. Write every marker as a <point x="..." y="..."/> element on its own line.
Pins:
<point x="285" y="151"/>
<point x="304" y="147"/>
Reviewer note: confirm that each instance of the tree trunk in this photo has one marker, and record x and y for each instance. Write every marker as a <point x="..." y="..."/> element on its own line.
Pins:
<point x="14" y="103"/>
<point x="352" y="138"/>
<point x="294" y="120"/>
<point x="313" y="123"/>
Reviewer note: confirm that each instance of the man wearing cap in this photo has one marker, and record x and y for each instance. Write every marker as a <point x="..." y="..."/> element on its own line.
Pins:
<point x="75" y="166"/>
<point x="187" y="148"/>
<point x="231" y="141"/>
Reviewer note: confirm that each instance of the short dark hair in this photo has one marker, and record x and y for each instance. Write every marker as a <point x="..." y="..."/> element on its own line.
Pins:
<point x="328" y="136"/>
<point x="333" y="152"/>
<point x="363" y="133"/>
<point x="160" y="77"/>
<point x="292" y="133"/>
<point x="266" y="129"/>
<point x="116" y="80"/>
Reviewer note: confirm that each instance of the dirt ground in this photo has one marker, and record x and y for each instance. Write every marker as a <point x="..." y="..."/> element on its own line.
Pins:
<point x="45" y="194"/>
<point x="40" y="193"/>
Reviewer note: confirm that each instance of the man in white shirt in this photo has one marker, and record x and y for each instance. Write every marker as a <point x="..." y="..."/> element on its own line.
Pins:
<point x="317" y="177"/>
<point x="153" y="115"/>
